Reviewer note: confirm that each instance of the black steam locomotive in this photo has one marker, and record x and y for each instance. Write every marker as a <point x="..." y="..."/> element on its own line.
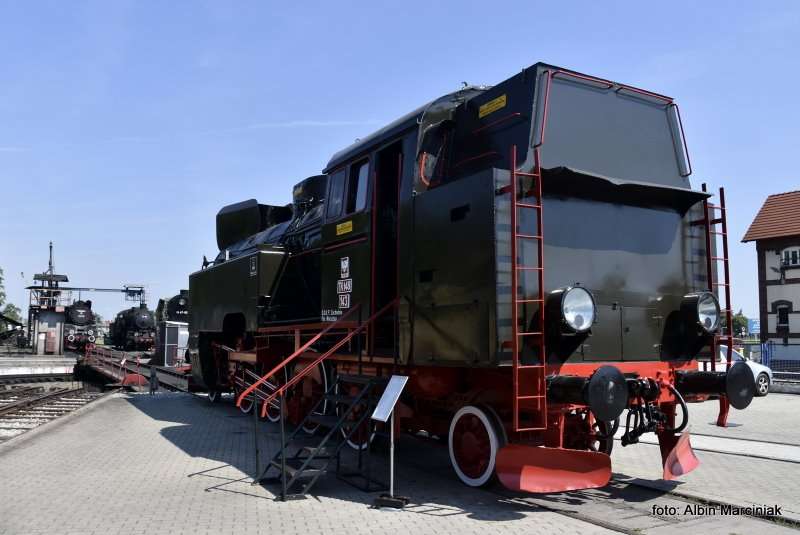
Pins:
<point x="175" y="308"/>
<point x="79" y="327"/>
<point x="531" y="255"/>
<point x="134" y="329"/>
<point x="172" y="331"/>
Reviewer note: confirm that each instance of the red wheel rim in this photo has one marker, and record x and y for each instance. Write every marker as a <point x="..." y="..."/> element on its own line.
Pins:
<point x="472" y="446"/>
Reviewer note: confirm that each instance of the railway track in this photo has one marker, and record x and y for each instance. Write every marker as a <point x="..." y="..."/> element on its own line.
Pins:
<point x="23" y="409"/>
<point x="610" y="507"/>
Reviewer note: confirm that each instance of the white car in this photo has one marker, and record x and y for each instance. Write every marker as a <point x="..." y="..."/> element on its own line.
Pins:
<point x="762" y="374"/>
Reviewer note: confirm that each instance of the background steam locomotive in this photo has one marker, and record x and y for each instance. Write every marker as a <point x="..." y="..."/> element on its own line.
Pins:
<point x="79" y="328"/>
<point x="176" y="308"/>
<point x="133" y="329"/>
<point x="531" y="255"/>
<point x="172" y="332"/>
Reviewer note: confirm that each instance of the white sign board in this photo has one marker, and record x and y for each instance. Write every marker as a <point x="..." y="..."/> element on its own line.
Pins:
<point x="389" y="398"/>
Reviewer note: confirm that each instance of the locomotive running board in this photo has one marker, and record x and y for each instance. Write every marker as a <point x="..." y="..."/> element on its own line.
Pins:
<point x="547" y="470"/>
<point x="678" y="455"/>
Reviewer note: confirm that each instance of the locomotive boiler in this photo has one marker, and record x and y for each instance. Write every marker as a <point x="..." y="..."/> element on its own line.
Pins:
<point x="79" y="327"/>
<point x="532" y="255"/>
<point x="133" y="329"/>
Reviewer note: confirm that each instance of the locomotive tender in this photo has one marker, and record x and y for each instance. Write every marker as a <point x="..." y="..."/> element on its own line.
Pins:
<point x="134" y="329"/>
<point x="531" y="255"/>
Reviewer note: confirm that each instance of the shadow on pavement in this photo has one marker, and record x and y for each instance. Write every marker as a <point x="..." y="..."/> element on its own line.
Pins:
<point x="221" y="433"/>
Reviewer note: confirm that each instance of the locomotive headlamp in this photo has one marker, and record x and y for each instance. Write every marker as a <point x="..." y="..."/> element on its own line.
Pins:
<point x="576" y="308"/>
<point x="702" y="308"/>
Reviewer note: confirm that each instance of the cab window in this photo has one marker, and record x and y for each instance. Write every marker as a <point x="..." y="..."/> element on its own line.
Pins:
<point x="357" y="187"/>
<point x="336" y="195"/>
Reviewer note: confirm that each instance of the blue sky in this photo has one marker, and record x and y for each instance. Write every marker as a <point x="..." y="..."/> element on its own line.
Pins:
<point x="125" y="126"/>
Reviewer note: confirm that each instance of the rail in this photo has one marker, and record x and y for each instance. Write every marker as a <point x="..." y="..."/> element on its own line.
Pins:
<point x="26" y="402"/>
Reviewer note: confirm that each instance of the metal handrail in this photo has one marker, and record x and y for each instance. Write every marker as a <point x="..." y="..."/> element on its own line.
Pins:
<point x="293" y="356"/>
<point x="308" y="369"/>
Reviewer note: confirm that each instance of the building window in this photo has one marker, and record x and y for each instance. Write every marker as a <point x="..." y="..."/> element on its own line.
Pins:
<point x="783" y="316"/>
<point x="791" y="257"/>
<point x="357" y="187"/>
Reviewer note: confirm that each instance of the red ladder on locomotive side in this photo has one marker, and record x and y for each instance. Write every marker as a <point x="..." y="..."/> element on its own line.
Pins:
<point x="528" y="378"/>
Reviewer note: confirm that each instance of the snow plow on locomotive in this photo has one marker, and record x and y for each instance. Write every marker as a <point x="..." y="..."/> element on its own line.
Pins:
<point x="531" y="255"/>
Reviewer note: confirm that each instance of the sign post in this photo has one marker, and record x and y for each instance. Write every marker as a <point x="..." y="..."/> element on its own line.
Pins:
<point x="385" y="411"/>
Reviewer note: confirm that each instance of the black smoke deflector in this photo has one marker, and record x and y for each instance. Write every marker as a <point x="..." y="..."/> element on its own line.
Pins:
<point x="576" y="183"/>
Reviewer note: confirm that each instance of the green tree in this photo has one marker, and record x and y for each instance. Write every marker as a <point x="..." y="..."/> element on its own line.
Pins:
<point x="8" y="309"/>
<point x="739" y="324"/>
<point x="13" y="312"/>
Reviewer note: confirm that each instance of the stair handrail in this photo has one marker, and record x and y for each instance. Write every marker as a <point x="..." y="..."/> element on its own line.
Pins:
<point x="308" y="369"/>
<point x="285" y="362"/>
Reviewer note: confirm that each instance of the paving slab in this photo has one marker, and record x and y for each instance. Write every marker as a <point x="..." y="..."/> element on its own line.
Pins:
<point x="174" y="463"/>
<point x="773" y="418"/>
<point x="721" y="477"/>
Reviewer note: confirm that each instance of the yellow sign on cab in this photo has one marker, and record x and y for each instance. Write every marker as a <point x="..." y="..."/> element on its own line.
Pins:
<point x="492" y="106"/>
<point x="344" y="228"/>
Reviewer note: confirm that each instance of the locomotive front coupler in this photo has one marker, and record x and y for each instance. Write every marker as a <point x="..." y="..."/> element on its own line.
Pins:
<point x="645" y="416"/>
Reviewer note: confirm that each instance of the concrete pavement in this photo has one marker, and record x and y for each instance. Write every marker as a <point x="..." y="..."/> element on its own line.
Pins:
<point x="174" y="463"/>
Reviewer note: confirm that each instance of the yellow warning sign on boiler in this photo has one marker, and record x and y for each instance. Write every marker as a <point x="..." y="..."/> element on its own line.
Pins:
<point x="344" y="228"/>
<point x="492" y="106"/>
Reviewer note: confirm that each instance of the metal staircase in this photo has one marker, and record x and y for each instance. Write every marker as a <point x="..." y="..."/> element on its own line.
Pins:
<point x="297" y="472"/>
<point x="528" y="374"/>
<point x="311" y="461"/>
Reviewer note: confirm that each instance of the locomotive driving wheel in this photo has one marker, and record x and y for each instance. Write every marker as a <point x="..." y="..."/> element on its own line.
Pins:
<point x="246" y="406"/>
<point x="273" y="413"/>
<point x="475" y="437"/>
<point x="583" y="431"/>
<point x="360" y="437"/>
<point x="310" y="390"/>
<point x="602" y="437"/>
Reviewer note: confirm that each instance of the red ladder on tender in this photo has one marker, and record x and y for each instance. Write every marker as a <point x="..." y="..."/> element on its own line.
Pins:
<point x="529" y="379"/>
<point x="710" y="221"/>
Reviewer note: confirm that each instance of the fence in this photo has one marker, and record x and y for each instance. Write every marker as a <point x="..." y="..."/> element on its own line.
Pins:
<point x="783" y="359"/>
<point x="119" y="364"/>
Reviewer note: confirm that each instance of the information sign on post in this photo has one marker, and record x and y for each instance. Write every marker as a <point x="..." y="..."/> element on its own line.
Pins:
<point x="385" y="411"/>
